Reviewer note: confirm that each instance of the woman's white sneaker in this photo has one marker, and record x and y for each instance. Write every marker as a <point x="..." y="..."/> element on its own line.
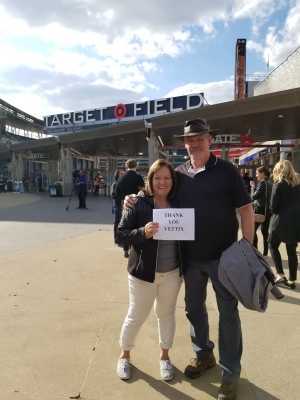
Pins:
<point x="124" y="369"/>
<point x="166" y="370"/>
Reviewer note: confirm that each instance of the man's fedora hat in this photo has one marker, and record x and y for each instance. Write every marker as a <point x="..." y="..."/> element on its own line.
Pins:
<point x="194" y="127"/>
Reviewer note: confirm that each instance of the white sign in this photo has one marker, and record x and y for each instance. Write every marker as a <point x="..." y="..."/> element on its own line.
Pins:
<point x="175" y="223"/>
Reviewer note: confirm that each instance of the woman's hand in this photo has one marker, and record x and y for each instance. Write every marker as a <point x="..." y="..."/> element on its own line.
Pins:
<point x="151" y="229"/>
<point x="130" y="200"/>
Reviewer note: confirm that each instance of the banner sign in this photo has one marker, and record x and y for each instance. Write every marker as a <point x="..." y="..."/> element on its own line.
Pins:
<point x="78" y="120"/>
<point x="175" y="223"/>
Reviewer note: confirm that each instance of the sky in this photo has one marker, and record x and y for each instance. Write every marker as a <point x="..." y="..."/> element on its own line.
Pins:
<point x="72" y="55"/>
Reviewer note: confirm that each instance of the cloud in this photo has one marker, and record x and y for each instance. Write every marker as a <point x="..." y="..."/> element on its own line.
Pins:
<point x="252" y="45"/>
<point x="70" y="97"/>
<point x="44" y="92"/>
<point x="279" y="43"/>
<point x="257" y="10"/>
<point x="214" y="92"/>
<point x="78" y="53"/>
<point x="114" y="18"/>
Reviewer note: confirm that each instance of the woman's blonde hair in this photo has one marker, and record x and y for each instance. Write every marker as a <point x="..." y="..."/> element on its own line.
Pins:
<point x="156" y="166"/>
<point x="284" y="171"/>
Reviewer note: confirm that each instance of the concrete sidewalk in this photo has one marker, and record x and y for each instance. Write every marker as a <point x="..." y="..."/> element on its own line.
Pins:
<point x="62" y="306"/>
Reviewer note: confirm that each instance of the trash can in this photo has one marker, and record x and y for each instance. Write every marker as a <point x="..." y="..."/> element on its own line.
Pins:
<point x="58" y="187"/>
<point x="52" y="191"/>
<point x="17" y="186"/>
<point x="21" y="187"/>
<point x="9" y="185"/>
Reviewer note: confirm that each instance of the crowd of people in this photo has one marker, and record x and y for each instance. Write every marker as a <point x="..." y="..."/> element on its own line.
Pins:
<point x="277" y="213"/>
<point x="216" y="191"/>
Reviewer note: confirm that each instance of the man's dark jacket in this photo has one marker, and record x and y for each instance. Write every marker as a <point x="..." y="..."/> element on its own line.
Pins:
<point x="129" y="183"/>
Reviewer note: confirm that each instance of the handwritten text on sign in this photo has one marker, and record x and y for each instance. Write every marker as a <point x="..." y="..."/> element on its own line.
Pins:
<point x="175" y="223"/>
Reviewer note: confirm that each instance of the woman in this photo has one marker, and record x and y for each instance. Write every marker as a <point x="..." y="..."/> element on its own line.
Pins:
<point x="154" y="270"/>
<point x="97" y="181"/>
<point x="285" y="220"/>
<point x="261" y="200"/>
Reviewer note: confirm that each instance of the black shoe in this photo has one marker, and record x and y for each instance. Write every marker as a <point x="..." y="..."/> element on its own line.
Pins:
<point x="196" y="367"/>
<point x="292" y="284"/>
<point x="126" y="254"/>
<point x="227" y="391"/>
<point x="282" y="281"/>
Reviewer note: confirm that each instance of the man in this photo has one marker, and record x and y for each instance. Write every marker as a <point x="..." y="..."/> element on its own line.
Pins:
<point x="81" y="187"/>
<point x="214" y="188"/>
<point x="130" y="182"/>
<point x="247" y="180"/>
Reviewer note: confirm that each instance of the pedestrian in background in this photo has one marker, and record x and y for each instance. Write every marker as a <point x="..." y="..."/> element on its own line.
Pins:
<point x="96" y="187"/>
<point x="285" y="220"/>
<point x="81" y="183"/>
<point x="117" y="175"/>
<point x="247" y="180"/>
<point x="261" y="203"/>
<point x="130" y="182"/>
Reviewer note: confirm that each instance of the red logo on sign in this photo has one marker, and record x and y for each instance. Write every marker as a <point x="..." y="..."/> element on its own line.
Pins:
<point x="246" y="139"/>
<point x="120" y="111"/>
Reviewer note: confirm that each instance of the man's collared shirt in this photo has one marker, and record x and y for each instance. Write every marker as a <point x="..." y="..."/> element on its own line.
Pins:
<point x="194" y="171"/>
<point x="215" y="193"/>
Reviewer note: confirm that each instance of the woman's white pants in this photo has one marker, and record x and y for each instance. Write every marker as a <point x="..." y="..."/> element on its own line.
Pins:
<point x="163" y="294"/>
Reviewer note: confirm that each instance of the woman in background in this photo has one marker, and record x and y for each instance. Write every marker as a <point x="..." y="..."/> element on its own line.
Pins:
<point x="261" y="203"/>
<point x="285" y="220"/>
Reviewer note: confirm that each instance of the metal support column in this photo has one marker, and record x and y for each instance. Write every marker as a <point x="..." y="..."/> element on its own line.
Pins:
<point x="153" y="143"/>
<point x="66" y="168"/>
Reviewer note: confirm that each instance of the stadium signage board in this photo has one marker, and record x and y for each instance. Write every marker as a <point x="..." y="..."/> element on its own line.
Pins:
<point x="78" y="120"/>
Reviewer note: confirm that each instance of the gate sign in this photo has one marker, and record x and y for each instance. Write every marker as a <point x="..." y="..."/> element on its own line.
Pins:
<point x="78" y="120"/>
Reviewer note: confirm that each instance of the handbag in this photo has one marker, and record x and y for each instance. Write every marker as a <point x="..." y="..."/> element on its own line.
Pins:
<point x="260" y="218"/>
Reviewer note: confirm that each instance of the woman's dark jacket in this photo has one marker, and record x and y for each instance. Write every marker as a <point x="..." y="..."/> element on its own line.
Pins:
<point x="143" y="252"/>
<point x="261" y="198"/>
<point x="285" y="208"/>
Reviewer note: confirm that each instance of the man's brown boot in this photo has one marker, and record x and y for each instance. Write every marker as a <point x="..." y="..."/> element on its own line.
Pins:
<point x="197" y="367"/>
<point x="227" y="391"/>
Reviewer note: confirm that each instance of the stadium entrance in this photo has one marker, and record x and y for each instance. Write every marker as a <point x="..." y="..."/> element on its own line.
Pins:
<point x="274" y="116"/>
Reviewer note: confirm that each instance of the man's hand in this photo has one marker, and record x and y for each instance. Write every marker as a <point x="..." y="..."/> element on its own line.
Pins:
<point x="130" y="200"/>
<point x="151" y="229"/>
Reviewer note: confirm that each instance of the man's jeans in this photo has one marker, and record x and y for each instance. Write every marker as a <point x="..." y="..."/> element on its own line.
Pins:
<point x="230" y="334"/>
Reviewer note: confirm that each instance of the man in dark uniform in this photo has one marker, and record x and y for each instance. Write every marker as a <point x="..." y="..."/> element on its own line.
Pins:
<point x="81" y="187"/>
<point x="130" y="182"/>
